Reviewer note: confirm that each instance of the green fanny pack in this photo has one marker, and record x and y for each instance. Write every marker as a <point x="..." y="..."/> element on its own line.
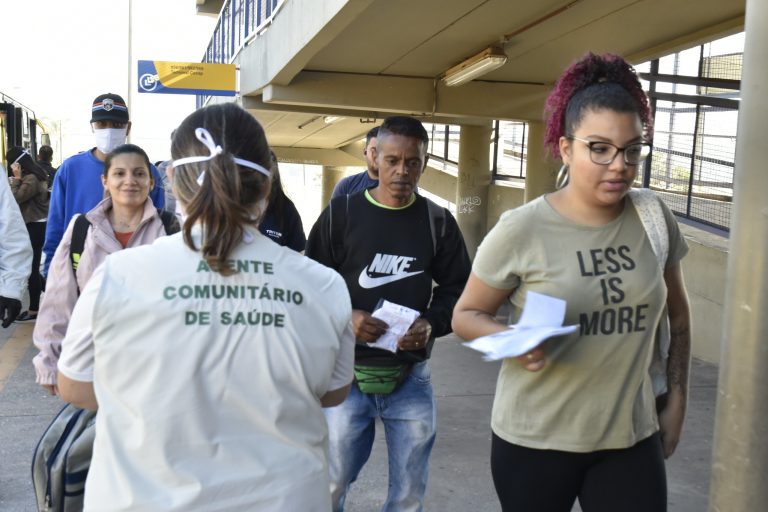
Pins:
<point x="380" y="380"/>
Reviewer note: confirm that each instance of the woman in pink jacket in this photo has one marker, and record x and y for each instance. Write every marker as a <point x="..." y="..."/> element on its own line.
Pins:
<point x="126" y="218"/>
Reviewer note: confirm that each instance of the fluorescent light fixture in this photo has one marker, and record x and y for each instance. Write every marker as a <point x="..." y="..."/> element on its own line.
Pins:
<point x="484" y="62"/>
<point x="308" y="122"/>
<point x="331" y="119"/>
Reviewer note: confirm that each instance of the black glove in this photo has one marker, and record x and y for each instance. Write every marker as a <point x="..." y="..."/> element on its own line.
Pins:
<point x="9" y="310"/>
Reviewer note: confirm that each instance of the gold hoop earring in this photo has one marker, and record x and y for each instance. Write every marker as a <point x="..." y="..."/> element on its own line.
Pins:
<point x="562" y="177"/>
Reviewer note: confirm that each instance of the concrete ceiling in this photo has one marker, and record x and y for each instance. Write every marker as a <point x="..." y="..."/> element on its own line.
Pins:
<point x="365" y="59"/>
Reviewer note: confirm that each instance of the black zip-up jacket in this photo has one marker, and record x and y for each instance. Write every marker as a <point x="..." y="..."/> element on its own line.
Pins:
<point x="389" y="254"/>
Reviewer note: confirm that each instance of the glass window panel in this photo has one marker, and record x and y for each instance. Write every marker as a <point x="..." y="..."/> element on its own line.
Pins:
<point x="512" y="150"/>
<point x="454" y="133"/>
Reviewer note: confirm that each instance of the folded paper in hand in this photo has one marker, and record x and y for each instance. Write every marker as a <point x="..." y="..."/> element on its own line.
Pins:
<point x="542" y="318"/>
<point x="398" y="318"/>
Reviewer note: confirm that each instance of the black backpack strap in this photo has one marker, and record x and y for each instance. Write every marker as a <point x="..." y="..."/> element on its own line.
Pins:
<point x="436" y="223"/>
<point x="338" y="211"/>
<point x="77" y="244"/>
<point x="170" y="221"/>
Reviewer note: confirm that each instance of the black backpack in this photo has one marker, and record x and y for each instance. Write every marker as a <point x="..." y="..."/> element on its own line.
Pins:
<point x="339" y="213"/>
<point x="80" y="233"/>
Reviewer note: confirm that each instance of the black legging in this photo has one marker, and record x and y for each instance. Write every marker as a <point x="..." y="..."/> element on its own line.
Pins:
<point x="35" y="284"/>
<point x="630" y="480"/>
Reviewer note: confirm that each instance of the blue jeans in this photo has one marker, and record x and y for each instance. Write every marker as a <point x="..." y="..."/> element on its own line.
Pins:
<point x="409" y="421"/>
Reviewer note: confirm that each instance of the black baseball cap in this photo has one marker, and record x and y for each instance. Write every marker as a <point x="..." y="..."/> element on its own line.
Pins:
<point x="109" y="107"/>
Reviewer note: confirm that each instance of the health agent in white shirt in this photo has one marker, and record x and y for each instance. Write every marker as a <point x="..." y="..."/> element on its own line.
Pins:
<point x="211" y="353"/>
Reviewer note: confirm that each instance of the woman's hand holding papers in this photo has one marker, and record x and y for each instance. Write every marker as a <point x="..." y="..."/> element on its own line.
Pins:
<point x="534" y="360"/>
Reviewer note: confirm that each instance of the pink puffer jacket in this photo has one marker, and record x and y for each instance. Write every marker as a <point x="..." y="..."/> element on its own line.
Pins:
<point x="61" y="290"/>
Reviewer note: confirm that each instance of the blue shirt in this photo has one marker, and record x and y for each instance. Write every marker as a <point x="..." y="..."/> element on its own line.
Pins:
<point x="77" y="188"/>
<point x="354" y="183"/>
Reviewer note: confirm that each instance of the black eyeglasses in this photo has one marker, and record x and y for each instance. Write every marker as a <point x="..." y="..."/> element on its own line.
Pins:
<point x="604" y="153"/>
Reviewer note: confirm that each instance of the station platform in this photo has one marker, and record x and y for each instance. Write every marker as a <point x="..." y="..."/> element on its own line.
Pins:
<point x="460" y="478"/>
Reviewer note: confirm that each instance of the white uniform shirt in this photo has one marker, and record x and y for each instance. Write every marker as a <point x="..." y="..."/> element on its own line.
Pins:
<point x="15" y="248"/>
<point x="199" y="409"/>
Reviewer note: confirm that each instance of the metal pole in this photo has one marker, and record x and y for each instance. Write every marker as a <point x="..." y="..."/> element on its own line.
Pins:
<point x="740" y="453"/>
<point x="130" y="59"/>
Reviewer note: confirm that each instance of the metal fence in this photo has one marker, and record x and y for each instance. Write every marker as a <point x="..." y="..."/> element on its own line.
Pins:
<point x="510" y="149"/>
<point x="239" y="22"/>
<point x="694" y="96"/>
<point x="695" y="100"/>
<point x="692" y="162"/>
<point x="443" y="142"/>
<point x="508" y="152"/>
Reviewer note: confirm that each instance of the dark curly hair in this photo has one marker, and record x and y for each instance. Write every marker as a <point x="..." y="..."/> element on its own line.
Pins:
<point x="594" y="82"/>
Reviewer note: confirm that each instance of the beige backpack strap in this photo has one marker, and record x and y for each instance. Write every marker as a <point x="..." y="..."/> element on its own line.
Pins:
<point x="652" y="216"/>
<point x="648" y="208"/>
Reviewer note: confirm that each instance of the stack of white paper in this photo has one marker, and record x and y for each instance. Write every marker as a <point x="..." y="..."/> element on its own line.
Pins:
<point x="398" y="318"/>
<point x="542" y="318"/>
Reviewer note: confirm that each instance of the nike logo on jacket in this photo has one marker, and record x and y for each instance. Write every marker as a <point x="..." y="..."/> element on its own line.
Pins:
<point x="390" y="267"/>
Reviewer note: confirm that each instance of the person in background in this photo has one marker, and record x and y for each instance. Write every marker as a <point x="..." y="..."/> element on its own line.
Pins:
<point x="576" y="417"/>
<point x="125" y="218"/>
<point x="389" y="243"/>
<point x="366" y="179"/>
<point x="217" y="406"/>
<point x="44" y="160"/>
<point x="281" y="221"/>
<point x="15" y="255"/>
<point x="165" y="169"/>
<point x="77" y="187"/>
<point x="29" y="186"/>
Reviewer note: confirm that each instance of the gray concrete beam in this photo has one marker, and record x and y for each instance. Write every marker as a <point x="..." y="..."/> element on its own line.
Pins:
<point x="316" y="156"/>
<point x="421" y="97"/>
<point x="699" y="37"/>
<point x="303" y="28"/>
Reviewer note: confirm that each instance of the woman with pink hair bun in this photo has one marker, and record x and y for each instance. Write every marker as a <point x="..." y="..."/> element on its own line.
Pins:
<point x="581" y="415"/>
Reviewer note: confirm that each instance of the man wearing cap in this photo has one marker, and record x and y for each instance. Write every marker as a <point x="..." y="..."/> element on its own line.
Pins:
<point x="77" y="186"/>
<point x="44" y="160"/>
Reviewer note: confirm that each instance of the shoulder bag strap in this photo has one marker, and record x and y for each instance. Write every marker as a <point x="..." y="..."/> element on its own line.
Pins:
<point x="77" y="244"/>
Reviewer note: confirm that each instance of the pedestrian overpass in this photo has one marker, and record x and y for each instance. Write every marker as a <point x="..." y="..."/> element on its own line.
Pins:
<point x="318" y="75"/>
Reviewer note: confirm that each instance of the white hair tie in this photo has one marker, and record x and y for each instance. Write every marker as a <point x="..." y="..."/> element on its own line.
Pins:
<point x="214" y="149"/>
<point x="23" y="152"/>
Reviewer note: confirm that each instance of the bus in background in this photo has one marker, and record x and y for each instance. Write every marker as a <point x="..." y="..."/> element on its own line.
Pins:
<point x="19" y="127"/>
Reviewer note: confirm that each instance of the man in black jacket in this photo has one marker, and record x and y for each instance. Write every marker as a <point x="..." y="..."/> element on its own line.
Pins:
<point x="44" y="159"/>
<point x="390" y="244"/>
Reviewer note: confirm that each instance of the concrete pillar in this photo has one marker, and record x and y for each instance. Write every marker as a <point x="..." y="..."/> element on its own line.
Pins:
<point x="740" y="452"/>
<point x="472" y="184"/>
<point x="331" y="176"/>
<point x="540" y="171"/>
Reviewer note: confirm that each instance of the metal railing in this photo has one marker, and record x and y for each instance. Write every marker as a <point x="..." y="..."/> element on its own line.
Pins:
<point x="240" y="21"/>
<point x="508" y="150"/>
<point x="694" y="96"/>
<point x="443" y="142"/>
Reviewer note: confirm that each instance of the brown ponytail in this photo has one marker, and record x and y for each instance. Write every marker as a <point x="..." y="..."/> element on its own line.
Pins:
<point x="223" y="204"/>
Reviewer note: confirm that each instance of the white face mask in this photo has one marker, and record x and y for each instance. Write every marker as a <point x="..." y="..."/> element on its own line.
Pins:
<point x="108" y="139"/>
